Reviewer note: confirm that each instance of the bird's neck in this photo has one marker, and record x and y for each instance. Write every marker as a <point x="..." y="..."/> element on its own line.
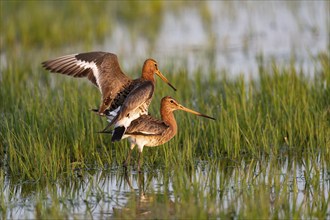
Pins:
<point x="168" y="119"/>
<point x="148" y="76"/>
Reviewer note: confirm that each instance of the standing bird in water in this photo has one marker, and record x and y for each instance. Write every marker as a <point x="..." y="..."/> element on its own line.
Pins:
<point x="123" y="99"/>
<point x="149" y="131"/>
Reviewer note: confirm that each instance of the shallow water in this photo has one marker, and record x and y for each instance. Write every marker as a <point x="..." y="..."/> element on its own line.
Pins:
<point x="220" y="35"/>
<point x="96" y="193"/>
<point x="232" y="36"/>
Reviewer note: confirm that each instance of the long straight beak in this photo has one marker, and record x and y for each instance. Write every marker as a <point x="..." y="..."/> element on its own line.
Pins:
<point x="164" y="79"/>
<point x="194" y="112"/>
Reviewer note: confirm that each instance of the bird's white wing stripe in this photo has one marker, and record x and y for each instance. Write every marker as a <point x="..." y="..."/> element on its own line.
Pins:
<point x="146" y="132"/>
<point x="93" y="66"/>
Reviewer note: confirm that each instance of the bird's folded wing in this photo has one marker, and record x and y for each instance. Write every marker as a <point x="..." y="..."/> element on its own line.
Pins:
<point x="136" y="98"/>
<point x="146" y="125"/>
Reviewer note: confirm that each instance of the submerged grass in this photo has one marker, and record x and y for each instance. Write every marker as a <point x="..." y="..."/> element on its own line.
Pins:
<point x="268" y="188"/>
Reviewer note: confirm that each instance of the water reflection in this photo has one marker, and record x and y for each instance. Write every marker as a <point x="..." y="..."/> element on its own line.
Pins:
<point x="279" y="185"/>
<point x="143" y="203"/>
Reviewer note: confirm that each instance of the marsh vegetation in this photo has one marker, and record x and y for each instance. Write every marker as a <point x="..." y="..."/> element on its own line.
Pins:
<point x="266" y="156"/>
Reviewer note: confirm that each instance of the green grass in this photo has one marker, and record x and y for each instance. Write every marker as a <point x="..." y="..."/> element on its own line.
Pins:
<point x="48" y="134"/>
<point x="49" y="24"/>
<point x="266" y="156"/>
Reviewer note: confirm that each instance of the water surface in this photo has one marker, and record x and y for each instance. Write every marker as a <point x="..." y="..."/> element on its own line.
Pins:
<point x="227" y="185"/>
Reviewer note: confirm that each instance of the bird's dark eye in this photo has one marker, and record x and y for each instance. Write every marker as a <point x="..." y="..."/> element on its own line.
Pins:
<point x="155" y="64"/>
<point x="171" y="101"/>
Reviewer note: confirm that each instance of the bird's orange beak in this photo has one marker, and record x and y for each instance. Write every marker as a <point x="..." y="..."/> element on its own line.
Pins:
<point x="181" y="107"/>
<point x="164" y="79"/>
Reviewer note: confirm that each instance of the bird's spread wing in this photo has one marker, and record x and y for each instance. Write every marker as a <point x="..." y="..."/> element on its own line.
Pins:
<point x="112" y="79"/>
<point x="146" y="125"/>
<point x="101" y="68"/>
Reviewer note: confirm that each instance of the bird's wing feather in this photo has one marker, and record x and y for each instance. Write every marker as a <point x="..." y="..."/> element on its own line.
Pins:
<point x="146" y="125"/>
<point x="101" y="68"/>
<point x="112" y="79"/>
<point x="136" y="98"/>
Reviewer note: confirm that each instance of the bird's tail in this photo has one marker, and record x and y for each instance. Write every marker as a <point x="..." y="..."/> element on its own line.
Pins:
<point x="118" y="133"/>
